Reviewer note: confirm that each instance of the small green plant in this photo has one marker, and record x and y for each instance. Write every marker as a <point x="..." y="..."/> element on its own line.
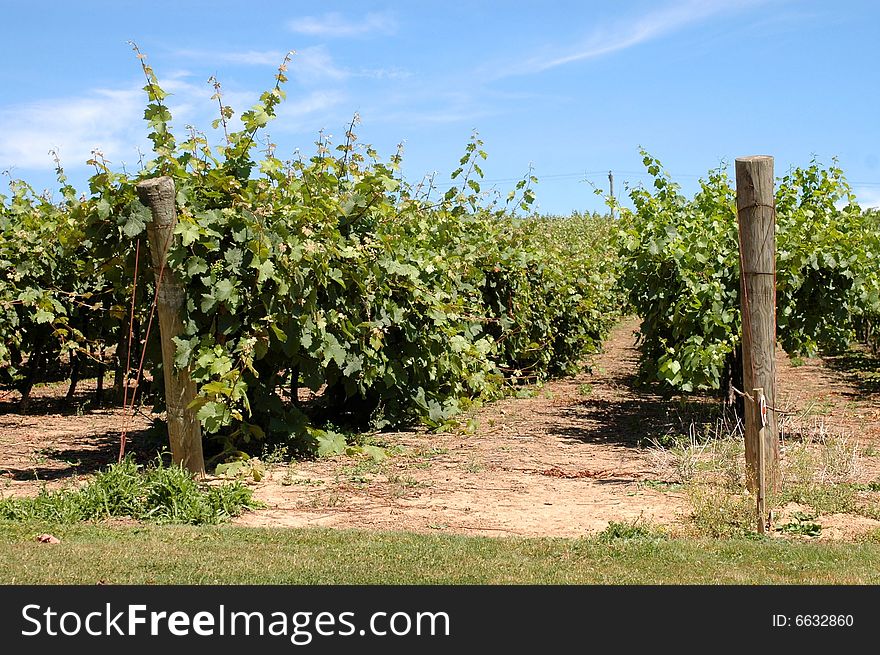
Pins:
<point x="288" y="480"/>
<point x="627" y="531"/>
<point x="802" y="524"/>
<point x="717" y="513"/>
<point x="585" y="389"/>
<point x="474" y="466"/>
<point x="797" y="361"/>
<point x="246" y="468"/>
<point x="277" y="454"/>
<point x="361" y="468"/>
<point x="405" y="481"/>
<point x="157" y="493"/>
<point x="662" y="485"/>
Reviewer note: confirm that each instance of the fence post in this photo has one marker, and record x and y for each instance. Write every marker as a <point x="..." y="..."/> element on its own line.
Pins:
<point x="184" y="431"/>
<point x="756" y="215"/>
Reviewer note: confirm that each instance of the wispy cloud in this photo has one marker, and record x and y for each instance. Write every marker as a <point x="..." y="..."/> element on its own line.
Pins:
<point x="315" y="64"/>
<point x="111" y="120"/>
<point x="334" y="24"/>
<point x="626" y="33"/>
<point x="310" y="113"/>
<point x="307" y="65"/>
<point x="253" y="57"/>
<point x="419" y="106"/>
<point x="105" y="119"/>
<point x="868" y="197"/>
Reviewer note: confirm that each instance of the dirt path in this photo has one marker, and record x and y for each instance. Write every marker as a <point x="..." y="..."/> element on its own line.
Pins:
<point x="564" y="462"/>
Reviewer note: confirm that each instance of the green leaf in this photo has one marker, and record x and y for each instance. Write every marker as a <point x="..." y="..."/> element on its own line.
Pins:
<point x="223" y="290"/>
<point x="265" y="271"/>
<point x="329" y="443"/>
<point x="136" y="220"/>
<point x="333" y="351"/>
<point x="103" y="207"/>
<point x="43" y="316"/>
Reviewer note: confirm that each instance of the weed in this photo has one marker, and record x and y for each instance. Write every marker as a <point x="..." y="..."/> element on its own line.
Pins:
<point x="288" y="480"/>
<point x="662" y="485"/>
<point x="720" y="514"/>
<point x="680" y="455"/>
<point x="428" y="453"/>
<point x="404" y="481"/>
<point x="802" y="524"/>
<point x="154" y="493"/>
<point x="361" y="469"/>
<point x="402" y="485"/>
<point x="330" y="499"/>
<point x="818" y="472"/>
<point x="277" y="454"/>
<point x="473" y="466"/>
<point x="242" y="469"/>
<point x="819" y="408"/>
<point x="585" y="389"/>
<point x="626" y="531"/>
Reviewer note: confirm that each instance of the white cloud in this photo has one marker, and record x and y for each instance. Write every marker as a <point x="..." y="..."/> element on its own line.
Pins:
<point x="107" y="119"/>
<point x="868" y="197"/>
<point x="111" y="120"/>
<point x="384" y="73"/>
<point x="626" y="33"/>
<point x="334" y="24"/>
<point x="301" y="114"/>
<point x="312" y="65"/>
<point x="271" y="58"/>
<point x="255" y="57"/>
<point x="419" y="106"/>
<point x="307" y="66"/>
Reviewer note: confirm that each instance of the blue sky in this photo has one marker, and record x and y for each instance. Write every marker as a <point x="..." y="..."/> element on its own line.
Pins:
<point x="570" y="88"/>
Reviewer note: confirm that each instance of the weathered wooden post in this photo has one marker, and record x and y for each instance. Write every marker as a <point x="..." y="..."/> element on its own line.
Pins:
<point x="756" y="214"/>
<point x="184" y="431"/>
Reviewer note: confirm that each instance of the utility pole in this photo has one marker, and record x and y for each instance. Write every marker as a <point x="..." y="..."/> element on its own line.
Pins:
<point x="611" y="185"/>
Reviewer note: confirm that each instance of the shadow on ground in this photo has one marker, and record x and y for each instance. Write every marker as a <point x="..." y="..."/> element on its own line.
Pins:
<point x="637" y="421"/>
<point x="96" y="453"/>
<point x="858" y="367"/>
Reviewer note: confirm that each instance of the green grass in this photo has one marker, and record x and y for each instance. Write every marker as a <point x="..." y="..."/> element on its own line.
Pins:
<point x="162" y="494"/>
<point x="184" y="554"/>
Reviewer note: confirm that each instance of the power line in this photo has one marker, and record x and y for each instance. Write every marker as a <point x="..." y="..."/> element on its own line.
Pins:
<point x="592" y="174"/>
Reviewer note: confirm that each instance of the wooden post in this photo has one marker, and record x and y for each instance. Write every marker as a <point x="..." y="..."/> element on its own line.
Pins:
<point x="611" y="188"/>
<point x="756" y="214"/>
<point x="184" y="431"/>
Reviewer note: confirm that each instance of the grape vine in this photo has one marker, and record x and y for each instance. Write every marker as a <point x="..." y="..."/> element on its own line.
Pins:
<point x="681" y="272"/>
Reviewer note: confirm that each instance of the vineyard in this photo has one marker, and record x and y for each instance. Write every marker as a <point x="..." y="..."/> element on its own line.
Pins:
<point x="389" y="302"/>
<point x="328" y="302"/>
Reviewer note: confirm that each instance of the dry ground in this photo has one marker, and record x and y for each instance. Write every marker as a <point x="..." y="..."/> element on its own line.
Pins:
<point x="563" y="462"/>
